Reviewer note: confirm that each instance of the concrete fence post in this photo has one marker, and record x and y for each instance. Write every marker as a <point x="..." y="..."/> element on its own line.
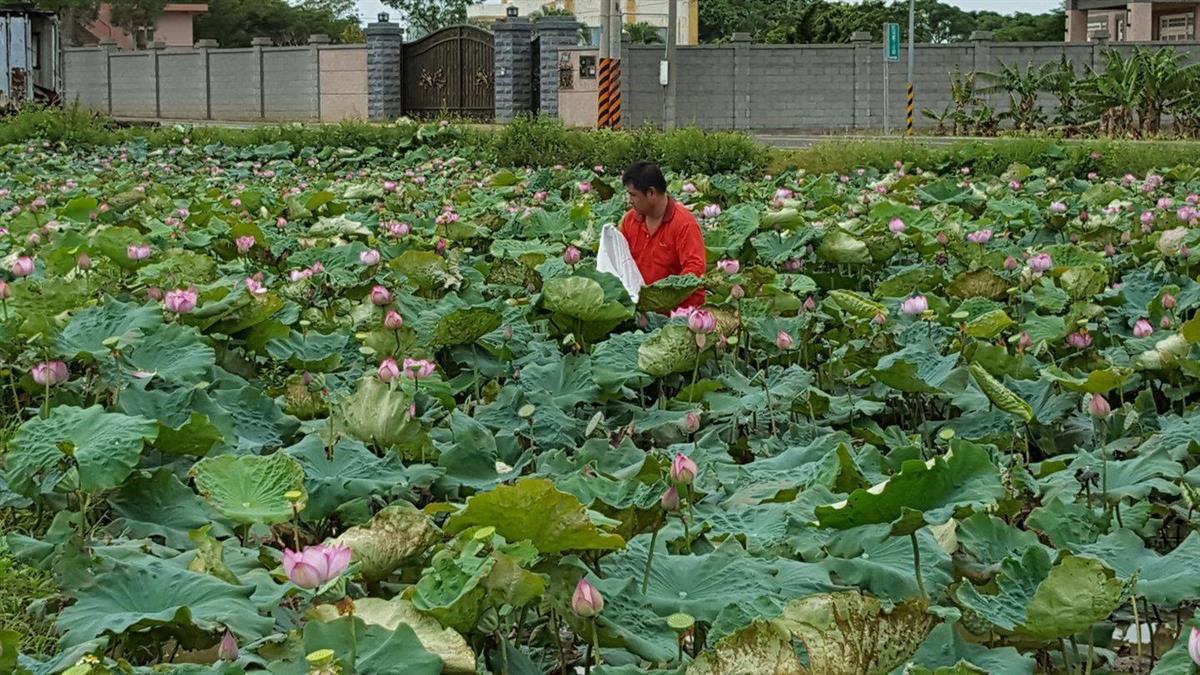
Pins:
<point x="741" y="80"/>
<point x="555" y="32"/>
<point x="860" y="117"/>
<point x="107" y="47"/>
<point x="155" y="48"/>
<point x="315" y="42"/>
<point x="514" y="67"/>
<point x="981" y="47"/>
<point x="202" y="47"/>
<point x="385" y="71"/>
<point x="257" y="45"/>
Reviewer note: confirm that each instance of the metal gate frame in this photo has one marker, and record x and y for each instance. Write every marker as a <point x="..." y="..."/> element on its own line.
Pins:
<point x="452" y="71"/>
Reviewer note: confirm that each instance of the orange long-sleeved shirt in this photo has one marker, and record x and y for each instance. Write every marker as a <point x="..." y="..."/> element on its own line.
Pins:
<point x="677" y="247"/>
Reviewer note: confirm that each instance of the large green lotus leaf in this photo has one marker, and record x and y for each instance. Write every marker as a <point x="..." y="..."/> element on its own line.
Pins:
<point x="1096" y="382"/>
<point x="567" y="381"/>
<point x="533" y="509"/>
<point x="41" y="307"/>
<point x="426" y="269"/>
<point x="398" y="534"/>
<point x="363" y="649"/>
<point x="451" y="587"/>
<point x="989" y="325"/>
<point x="515" y="249"/>
<point x="249" y="488"/>
<point x="1077" y="593"/>
<point x="195" y="267"/>
<point x="1048" y="329"/>
<point x="775" y="248"/>
<point x="10" y="643"/>
<point x="670" y="350"/>
<point x="92" y="326"/>
<point x="104" y="446"/>
<point x="451" y="647"/>
<point x="990" y="540"/>
<point x="377" y="413"/>
<point x="1132" y="478"/>
<point x="337" y="225"/>
<point x="762" y="648"/>
<point x="919" y="367"/>
<point x="258" y="421"/>
<point x="1067" y="523"/>
<point x="510" y="583"/>
<point x="981" y="283"/>
<point x="160" y="506"/>
<point x="237" y="311"/>
<point x="849" y="633"/>
<point x="1083" y="282"/>
<point x="349" y="471"/>
<point x="309" y="351"/>
<point x="628" y="621"/>
<point x="189" y="422"/>
<point x="921" y="493"/>
<point x="1179" y="436"/>
<point x="80" y="209"/>
<point x="154" y="594"/>
<point x="173" y="352"/>
<point x="615" y="362"/>
<point x="665" y="295"/>
<point x="1161" y="579"/>
<point x="114" y="242"/>
<point x="466" y="326"/>
<point x="946" y="649"/>
<point x="840" y="247"/>
<point x="870" y="559"/>
<point x="575" y="296"/>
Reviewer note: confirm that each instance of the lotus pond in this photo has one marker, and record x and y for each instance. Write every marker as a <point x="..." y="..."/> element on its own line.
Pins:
<point x="326" y="410"/>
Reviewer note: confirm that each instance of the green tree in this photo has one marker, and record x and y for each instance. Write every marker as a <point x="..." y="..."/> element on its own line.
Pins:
<point x="138" y="18"/>
<point x="74" y="16"/>
<point x="642" y="33"/>
<point x="428" y="16"/>
<point x="234" y="23"/>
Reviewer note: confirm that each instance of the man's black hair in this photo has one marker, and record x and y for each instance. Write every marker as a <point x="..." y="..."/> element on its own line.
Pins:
<point x="643" y="176"/>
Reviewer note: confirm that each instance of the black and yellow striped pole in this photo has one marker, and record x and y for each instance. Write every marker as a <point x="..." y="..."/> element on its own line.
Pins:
<point x="909" y="109"/>
<point x="608" y="109"/>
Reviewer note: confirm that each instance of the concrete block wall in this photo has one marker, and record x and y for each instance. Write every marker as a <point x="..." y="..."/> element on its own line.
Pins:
<point x="830" y="87"/>
<point x="317" y="82"/>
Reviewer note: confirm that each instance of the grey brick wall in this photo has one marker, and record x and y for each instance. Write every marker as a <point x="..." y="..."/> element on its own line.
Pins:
<point x="385" y="65"/>
<point x="233" y="84"/>
<point x="514" y="68"/>
<point x="181" y="91"/>
<point x="290" y="81"/>
<point x="827" y="87"/>
<point x="85" y="78"/>
<point x="133" y="84"/>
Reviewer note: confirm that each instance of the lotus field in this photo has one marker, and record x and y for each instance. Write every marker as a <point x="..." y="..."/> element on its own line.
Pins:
<point x="374" y="411"/>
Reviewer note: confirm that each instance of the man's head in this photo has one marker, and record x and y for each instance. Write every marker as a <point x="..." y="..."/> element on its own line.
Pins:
<point x="646" y="187"/>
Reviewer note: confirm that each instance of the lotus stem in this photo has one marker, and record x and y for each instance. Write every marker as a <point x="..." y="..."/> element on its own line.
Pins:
<point x="917" y="565"/>
<point x="1137" y="627"/>
<point x="596" y="641"/>
<point x="649" y="561"/>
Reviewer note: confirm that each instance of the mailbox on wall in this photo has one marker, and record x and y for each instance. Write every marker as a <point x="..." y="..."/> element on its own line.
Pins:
<point x="587" y="67"/>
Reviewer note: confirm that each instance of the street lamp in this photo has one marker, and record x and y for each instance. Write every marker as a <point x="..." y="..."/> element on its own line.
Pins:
<point x="383" y="17"/>
<point x="512" y="11"/>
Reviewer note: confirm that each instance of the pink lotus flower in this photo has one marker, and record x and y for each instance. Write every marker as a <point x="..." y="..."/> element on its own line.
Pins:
<point x="399" y="229"/>
<point x="915" y="306"/>
<point x="896" y="226"/>
<point x="392" y="320"/>
<point x="281" y="222"/>
<point x="1010" y="263"/>
<point x="440" y="247"/>
<point x="1024" y="341"/>
<point x="228" y="649"/>
<point x="736" y="292"/>
<point x="584" y="187"/>
<point x="783" y="193"/>
<point x="980" y="236"/>
<point x="794" y="265"/>
<point x="1142" y="328"/>
<point x="729" y="266"/>
<point x="809" y="304"/>
<point x="783" y="340"/>
<point x="689" y="189"/>
<point x="1014" y="184"/>
<point x="670" y="499"/>
<point x="1092" y="175"/>
<point x="1058" y="207"/>
<point x="23" y="266"/>
<point x="691" y="422"/>
<point x="711" y="211"/>
<point x="1080" y="340"/>
<point x="50" y="373"/>
<point x="181" y="301"/>
<point x="681" y="312"/>
<point x="683" y="469"/>
<point x="586" y="602"/>
<point x="316" y="565"/>
<point x="1164" y="203"/>
<point x="389" y="186"/>
<point x="1098" y="407"/>
<point x="1194" y="646"/>
<point x="1168" y="301"/>
<point x="1041" y="262"/>
<point x="138" y="251"/>
<point x="388" y="370"/>
<point x="879" y="319"/>
<point x="418" y="369"/>
<point x="380" y="296"/>
<point x="83" y="262"/>
<point x="244" y="244"/>
<point x="299" y="275"/>
<point x="702" y="322"/>
<point x="571" y="255"/>
<point x="255" y="285"/>
<point x="369" y="257"/>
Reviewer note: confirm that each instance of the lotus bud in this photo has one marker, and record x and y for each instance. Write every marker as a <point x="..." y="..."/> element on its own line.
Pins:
<point x="1142" y="328"/>
<point x="23" y="266"/>
<point x="702" y="322"/>
<point x="508" y="332"/>
<point x="5" y="290"/>
<point x="154" y="293"/>
<point x="809" y="304"/>
<point x="571" y="255"/>
<point x="915" y="306"/>
<point x="586" y="601"/>
<point x="683" y="470"/>
<point x="306" y="378"/>
<point x="1168" y="301"/>
<point x="1126" y="237"/>
<point x="711" y="211"/>
<point x="392" y="320"/>
<point x="737" y="292"/>
<point x="1010" y="263"/>
<point x="879" y="319"/>
<point x="1041" y="262"/>
<point x="896" y="226"/>
<point x="1024" y="341"/>
<point x="783" y="340"/>
<point x="942" y="238"/>
<point x="388" y="370"/>
<point x="380" y="296"/>
<point x="1058" y="207"/>
<point x="389" y="186"/>
<point x="691" y="422"/>
<point x="1194" y="645"/>
<point x="50" y="373"/>
<point x="584" y="187"/>
<point x="729" y="266"/>
<point x="670" y="499"/>
<point x="1080" y="339"/>
<point x="244" y="244"/>
<point x="1165" y="322"/>
<point x="1083" y="216"/>
<point x="1098" y="407"/>
<point x="440" y="246"/>
<point x="83" y="262"/>
<point x="228" y="650"/>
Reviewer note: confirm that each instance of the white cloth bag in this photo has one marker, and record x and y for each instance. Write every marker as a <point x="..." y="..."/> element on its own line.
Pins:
<point x="614" y="257"/>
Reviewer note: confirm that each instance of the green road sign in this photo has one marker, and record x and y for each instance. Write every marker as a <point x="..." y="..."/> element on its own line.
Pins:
<point x="893" y="42"/>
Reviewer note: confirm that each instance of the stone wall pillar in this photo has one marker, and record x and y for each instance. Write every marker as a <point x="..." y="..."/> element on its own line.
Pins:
<point x="741" y="81"/>
<point x="385" y="67"/>
<point x="514" y="68"/>
<point x="1141" y="22"/>
<point x="555" y="32"/>
<point x="863" y="80"/>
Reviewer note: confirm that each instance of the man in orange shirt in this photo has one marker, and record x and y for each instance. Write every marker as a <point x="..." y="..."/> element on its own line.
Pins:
<point x="664" y="237"/>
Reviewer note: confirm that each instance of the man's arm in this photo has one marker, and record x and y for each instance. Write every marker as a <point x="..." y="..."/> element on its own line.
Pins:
<point x="693" y="259"/>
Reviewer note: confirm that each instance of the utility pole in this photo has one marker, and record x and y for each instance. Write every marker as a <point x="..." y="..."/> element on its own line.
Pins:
<point x="912" y="54"/>
<point x="672" y="38"/>
<point x="605" y="27"/>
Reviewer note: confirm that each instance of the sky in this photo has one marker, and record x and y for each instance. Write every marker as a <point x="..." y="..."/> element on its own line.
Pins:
<point x="369" y="9"/>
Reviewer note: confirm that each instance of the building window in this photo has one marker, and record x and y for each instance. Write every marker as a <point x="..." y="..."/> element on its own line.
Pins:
<point x="1095" y="25"/>
<point x="35" y="51"/>
<point x="1177" y="27"/>
<point x="595" y="38"/>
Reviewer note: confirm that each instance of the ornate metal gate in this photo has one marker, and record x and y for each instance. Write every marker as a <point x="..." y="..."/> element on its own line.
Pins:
<point x="451" y="71"/>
